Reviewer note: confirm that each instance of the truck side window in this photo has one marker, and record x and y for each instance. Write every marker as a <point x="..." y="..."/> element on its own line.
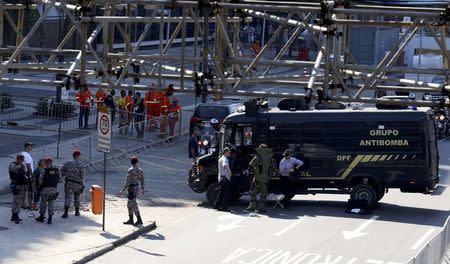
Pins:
<point x="248" y="136"/>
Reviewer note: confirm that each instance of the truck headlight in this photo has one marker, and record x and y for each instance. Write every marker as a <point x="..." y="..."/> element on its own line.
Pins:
<point x="205" y="142"/>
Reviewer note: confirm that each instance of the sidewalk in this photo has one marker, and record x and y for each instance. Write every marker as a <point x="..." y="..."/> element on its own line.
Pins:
<point x="167" y="197"/>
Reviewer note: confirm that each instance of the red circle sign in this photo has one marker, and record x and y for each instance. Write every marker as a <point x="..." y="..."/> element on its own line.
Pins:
<point x="104" y="124"/>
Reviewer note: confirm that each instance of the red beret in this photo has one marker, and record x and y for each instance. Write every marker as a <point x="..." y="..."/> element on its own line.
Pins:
<point x="76" y="152"/>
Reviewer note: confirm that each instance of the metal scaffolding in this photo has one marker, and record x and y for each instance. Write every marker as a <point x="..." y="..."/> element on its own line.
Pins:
<point x="111" y="36"/>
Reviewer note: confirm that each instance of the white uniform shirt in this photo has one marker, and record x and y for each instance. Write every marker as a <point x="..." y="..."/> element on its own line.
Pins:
<point x="286" y="165"/>
<point x="223" y="161"/>
<point x="27" y="159"/>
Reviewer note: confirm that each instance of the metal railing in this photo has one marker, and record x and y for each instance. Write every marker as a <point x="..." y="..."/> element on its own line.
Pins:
<point x="42" y="113"/>
<point x="125" y="141"/>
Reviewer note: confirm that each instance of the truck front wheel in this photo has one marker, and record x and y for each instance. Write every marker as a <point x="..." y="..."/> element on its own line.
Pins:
<point x="212" y="192"/>
<point x="365" y="192"/>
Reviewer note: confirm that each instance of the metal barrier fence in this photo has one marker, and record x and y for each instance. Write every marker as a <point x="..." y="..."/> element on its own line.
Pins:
<point x="434" y="251"/>
<point x="125" y="141"/>
<point x="42" y="113"/>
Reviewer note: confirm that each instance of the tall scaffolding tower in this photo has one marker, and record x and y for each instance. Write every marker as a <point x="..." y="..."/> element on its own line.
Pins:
<point x="206" y="44"/>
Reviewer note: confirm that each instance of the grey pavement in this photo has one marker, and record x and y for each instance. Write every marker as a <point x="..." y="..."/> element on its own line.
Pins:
<point x="167" y="196"/>
<point x="314" y="230"/>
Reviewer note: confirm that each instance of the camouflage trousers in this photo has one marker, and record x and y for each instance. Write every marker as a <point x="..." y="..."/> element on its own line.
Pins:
<point x="48" y="197"/>
<point x="133" y="207"/>
<point x="261" y="189"/>
<point x="72" y="191"/>
<point x="17" y="193"/>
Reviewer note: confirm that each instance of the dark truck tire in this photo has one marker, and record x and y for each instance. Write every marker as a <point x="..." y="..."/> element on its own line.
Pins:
<point x="366" y="192"/>
<point x="212" y="192"/>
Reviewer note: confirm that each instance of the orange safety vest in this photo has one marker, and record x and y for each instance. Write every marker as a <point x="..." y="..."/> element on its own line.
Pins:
<point x="84" y="98"/>
<point x="100" y="96"/>
<point x="129" y="103"/>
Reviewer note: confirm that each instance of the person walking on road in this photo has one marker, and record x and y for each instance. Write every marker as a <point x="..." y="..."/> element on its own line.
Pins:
<point x="193" y="145"/>
<point x="28" y="163"/>
<point x="133" y="183"/>
<point x="224" y="172"/>
<point x="18" y="178"/>
<point x="74" y="175"/>
<point x="47" y="186"/>
<point x="84" y="98"/>
<point x="288" y="165"/>
<point x="38" y="173"/>
<point x="263" y="165"/>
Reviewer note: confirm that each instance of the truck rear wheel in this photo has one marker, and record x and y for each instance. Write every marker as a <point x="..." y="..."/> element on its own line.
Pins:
<point x="366" y="192"/>
<point x="212" y="192"/>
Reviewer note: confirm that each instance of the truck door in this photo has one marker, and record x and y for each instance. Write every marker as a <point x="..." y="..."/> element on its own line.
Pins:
<point x="319" y="157"/>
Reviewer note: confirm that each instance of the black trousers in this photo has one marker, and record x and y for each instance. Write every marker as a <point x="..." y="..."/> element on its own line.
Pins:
<point x="224" y="198"/>
<point x="139" y="125"/>
<point x="288" y="189"/>
<point x="84" y="115"/>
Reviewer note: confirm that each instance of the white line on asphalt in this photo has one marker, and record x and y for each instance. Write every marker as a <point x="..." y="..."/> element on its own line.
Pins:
<point x="348" y="235"/>
<point x="422" y="239"/>
<point x="290" y="226"/>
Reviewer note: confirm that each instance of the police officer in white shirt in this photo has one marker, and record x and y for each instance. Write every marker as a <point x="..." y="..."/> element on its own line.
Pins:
<point x="224" y="176"/>
<point x="287" y="166"/>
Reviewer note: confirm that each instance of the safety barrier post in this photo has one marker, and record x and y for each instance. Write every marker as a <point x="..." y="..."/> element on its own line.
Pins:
<point x="179" y="122"/>
<point x="90" y="148"/>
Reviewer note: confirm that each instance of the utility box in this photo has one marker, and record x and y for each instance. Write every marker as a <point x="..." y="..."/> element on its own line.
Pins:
<point x="97" y="199"/>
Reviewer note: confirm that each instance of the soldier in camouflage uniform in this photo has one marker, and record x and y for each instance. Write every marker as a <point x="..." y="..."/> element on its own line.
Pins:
<point x="135" y="178"/>
<point x="47" y="186"/>
<point x="18" y="179"/>
<point x="263" y="165"/>
<point x="73" y="173"/>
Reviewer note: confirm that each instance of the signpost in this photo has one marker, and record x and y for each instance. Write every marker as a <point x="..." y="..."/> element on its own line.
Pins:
<point x="104" y="145"/>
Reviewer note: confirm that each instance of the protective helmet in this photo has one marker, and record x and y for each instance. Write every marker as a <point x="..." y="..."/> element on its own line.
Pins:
<point x="214" y="121"/>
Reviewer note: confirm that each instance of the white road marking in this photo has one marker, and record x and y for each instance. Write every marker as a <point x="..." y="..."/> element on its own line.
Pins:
<point x="422" y="239"/>
<point x="230" y="226"/>
<point x="290" y="226"/>
<point x="348" y="235"/>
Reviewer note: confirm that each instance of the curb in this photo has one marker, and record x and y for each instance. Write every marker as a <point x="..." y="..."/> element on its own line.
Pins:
<point x="122" y="241"/>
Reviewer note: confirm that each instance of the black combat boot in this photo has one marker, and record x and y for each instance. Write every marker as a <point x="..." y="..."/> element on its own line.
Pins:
<point x="66" y="212"/>
<point x="130" y="221"/>
<point x="77" y="211"/>
<point x="49" y="220"/>
<point x="139" y="221"/>
<point x="17" y="219"/>
<point x="13" y="217"/>
<point x="40" y="218"/>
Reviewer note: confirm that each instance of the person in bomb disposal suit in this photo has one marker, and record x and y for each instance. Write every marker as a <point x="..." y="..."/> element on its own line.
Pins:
<point x="73" y="173"/>
<point x="135" y="178"/>
<point x="18" y="179"/>
<point x="47" y="187"/>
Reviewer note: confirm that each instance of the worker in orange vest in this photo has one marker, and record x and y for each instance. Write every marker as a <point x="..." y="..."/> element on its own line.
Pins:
<point x="153" y="109"/>
<point x="100" y="96"/>
<point x="84" y="98"/>
<point x="173" y="116"/>
<point x="164" y="104"/>
<point x="129" y="106"/>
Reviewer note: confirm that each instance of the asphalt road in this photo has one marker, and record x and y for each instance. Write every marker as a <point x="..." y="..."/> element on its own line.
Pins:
<point x="314" y="230"/>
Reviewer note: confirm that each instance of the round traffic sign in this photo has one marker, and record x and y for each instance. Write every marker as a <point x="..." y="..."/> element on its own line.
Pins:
<point x="104" y="124"/>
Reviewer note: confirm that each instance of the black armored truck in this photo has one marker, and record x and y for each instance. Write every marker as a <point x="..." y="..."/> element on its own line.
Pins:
<point x="362" y="153"/>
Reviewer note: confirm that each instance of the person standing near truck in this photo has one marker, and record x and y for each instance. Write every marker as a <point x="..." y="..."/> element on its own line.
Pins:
<point x="263" y="166"/>
<point x="288" y="165"/>
<point x="224" y="198"/>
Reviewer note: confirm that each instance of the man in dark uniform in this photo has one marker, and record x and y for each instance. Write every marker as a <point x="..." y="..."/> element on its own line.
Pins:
<point x="47" y="186"/>
<point x="18" y="179"/>
<point x="135" y="177"/>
